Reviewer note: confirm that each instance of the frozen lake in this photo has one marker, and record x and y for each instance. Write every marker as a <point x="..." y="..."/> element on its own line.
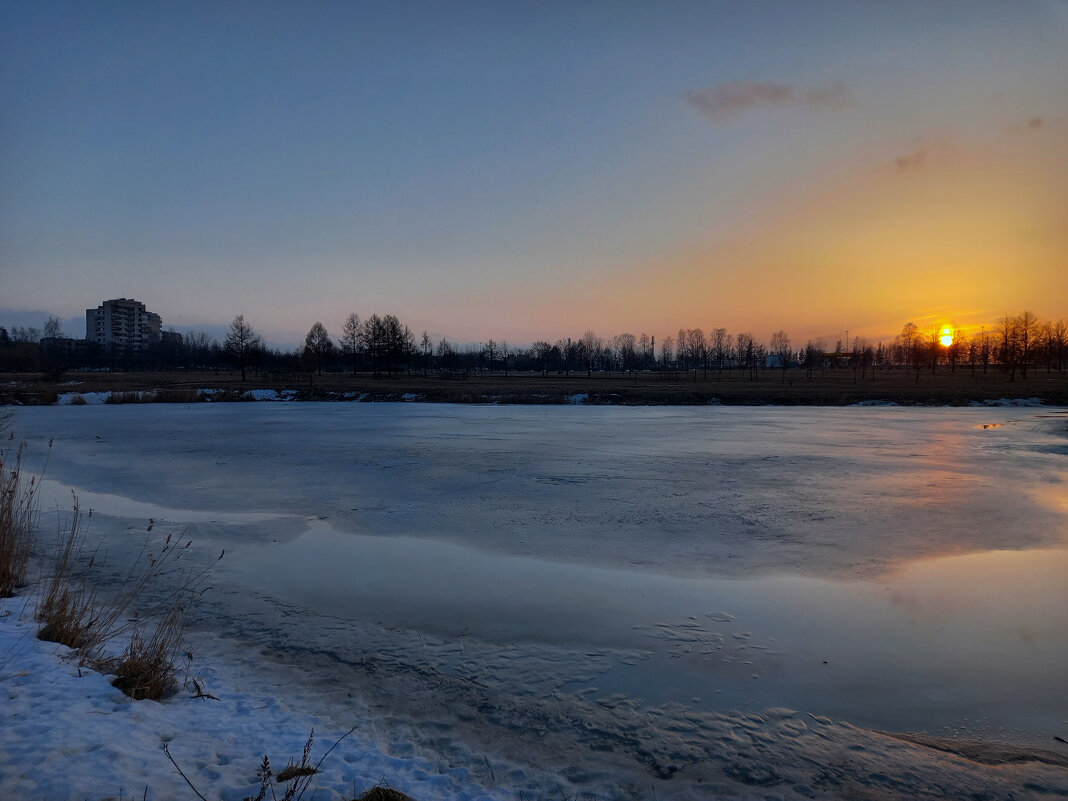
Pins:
<point x="615" y="580"/>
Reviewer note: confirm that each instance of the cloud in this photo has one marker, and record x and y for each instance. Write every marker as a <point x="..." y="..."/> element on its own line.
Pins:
<point x="931" y="153"/>
<point x="730" y="98"/>
<point x="1027" y="126"/>
<point x="911" y="161"/>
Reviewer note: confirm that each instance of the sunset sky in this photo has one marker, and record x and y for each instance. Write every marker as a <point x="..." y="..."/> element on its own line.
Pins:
<point x="530" y="170"/>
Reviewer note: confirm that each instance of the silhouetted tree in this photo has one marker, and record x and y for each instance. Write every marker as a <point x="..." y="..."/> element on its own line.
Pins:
<point x="591" y="346"/>
<point x="667" y="353"/>
<point x="372" y="335"/>
<point x="542" y="351"/>
<point x="426" y="346"/>
<point x="242" y="342"/>
<point x="350" y="339"/>
<point x="625" y="346"/>
<point x="53" y="327"/>
<point x="318" y="345"/>
<point x="491" y="352"/>
<point x="781" y="349"/>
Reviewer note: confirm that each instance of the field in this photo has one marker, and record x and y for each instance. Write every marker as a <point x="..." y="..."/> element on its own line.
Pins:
<point x="824" y="387"/>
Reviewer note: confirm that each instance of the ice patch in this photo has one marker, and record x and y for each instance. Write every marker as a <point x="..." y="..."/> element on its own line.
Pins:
<point x="578" y="399"/>
<point x="409" y="397"/>
<point x="875" y="403"/>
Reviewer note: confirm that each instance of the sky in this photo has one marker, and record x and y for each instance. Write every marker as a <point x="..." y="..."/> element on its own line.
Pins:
<point x="524" y="171"/>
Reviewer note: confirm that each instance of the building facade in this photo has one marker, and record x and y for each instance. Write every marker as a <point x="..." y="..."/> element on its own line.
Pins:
<point x="122" y="325"/>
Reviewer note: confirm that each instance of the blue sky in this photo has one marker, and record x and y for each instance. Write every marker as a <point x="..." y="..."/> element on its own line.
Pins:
<point x="526" y="170"/>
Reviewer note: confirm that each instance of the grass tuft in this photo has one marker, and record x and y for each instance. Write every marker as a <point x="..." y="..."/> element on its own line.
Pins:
<point x="383" y="792"/>
<point x="73" y="614"/>
<point x="18" y="522"/>
<point x="149" y="669"/>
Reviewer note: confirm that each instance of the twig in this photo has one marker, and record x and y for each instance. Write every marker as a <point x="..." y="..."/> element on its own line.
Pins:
<point x="167" y="751"/>
<point x="324" y="756"/>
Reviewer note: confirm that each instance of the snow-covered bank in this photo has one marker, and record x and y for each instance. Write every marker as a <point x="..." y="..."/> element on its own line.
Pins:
<point x="68" y="734"/>
<point x="604" y="601"/>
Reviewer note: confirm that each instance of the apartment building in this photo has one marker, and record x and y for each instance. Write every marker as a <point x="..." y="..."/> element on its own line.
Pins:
<point x="122" y="324"/>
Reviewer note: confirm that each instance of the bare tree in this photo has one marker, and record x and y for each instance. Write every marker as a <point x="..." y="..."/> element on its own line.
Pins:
<point x="567" y="353"/>
<point x="907" y="342"/>
<point x="350" y="338"/>
<point x="53" y="327"/>
<point x="958" y="346"/>
<point x="491" y="351"/>
<point x="625" y="346"/>
<point x="645" y="351"/>
<point x="745" y="347"/>
<point x="591" y="346"/>
<point x="242" y="342"/>
<point x="542" y="351"/>
<point x="813" y="356"/>
<point x="1060" y="342"/>
<point x="1008" y="344"/>
<point x="446" y="354"/>
<point x="782" y="350"/>
<point x="667" y="353"/>
<point x="1027" y="328"/>
<point x="426" y="346"/>
<point x="691" y="347"/>
<point x="372" y="336"/>
<point x="719" y="346"/>
<point x="317" y="345"/>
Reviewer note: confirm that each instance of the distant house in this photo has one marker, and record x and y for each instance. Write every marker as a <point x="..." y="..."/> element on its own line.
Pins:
<point x="122" y="325"/>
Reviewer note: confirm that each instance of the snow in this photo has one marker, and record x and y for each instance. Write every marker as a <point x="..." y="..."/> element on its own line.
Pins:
<point x="618" y="601"/>
<point x="271" y="394"/>
<point x="67" y="398"/>
<point x="1009" y="402"/>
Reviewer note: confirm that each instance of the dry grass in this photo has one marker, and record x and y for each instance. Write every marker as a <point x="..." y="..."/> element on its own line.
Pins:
<point x="149" y="669"/>
<point x="72" y="613"/>
<point x="296" y="776"/>
<point x="18" y="522"/>
<point x="68" y="616"/>
<point x="735" y="387"/>
<point x="383" y="792"/>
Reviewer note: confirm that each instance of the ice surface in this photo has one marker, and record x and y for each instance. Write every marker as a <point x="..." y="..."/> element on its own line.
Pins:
<point x="562" y="600"/>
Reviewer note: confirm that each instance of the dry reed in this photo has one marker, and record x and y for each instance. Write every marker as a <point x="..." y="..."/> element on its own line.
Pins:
<point x="18" y="521"/>
<point x="72" y="613"/>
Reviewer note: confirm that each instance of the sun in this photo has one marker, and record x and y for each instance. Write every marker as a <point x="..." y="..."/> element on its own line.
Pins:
<point x="947" y="337"/>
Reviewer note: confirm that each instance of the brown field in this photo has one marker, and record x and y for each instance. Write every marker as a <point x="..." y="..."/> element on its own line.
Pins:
<point x="827" y="387"/>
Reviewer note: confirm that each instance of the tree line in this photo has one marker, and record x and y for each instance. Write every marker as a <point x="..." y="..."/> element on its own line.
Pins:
<point x="382" y="345"/>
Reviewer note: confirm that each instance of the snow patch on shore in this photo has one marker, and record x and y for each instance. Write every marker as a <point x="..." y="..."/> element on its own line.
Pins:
<point x="1009" y="402"/>
<point x="90" y="398"/>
